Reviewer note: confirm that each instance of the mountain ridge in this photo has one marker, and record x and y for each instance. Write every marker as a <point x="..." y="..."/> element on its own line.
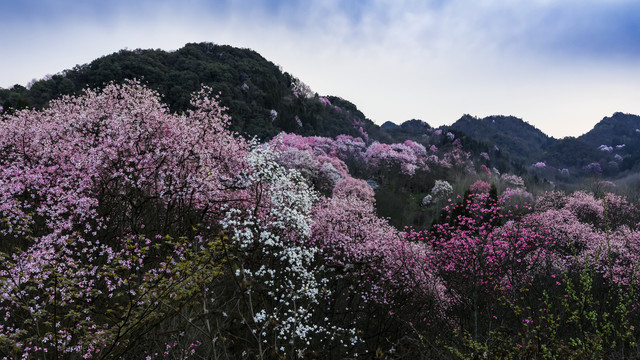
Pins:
<point x="262" y="101"/>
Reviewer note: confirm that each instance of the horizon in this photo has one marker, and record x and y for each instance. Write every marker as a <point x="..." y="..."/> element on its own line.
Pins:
<point x="561" y="66"/>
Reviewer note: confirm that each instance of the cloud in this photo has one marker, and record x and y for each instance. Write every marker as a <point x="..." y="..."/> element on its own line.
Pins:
<point x="549" y="62"/>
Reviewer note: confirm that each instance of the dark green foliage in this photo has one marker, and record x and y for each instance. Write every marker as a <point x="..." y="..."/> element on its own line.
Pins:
<point x="570" y="151"/>
<point x="619" y="129"/>
<point x="520" y="140"/>
<point x="403" y="208"/>
<point x="249" y="85"/>
<point x="616" y="129"/>
<point x="14" y="99"/>
<point x="416" y="130"/>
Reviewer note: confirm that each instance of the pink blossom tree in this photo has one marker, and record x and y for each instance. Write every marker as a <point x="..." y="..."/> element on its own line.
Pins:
<point x="383" y="156"/>
<point x="479" y="250"/>
<point x="480" y="187"/>
<point x="586" y="207"/>
<point x="102" y="200"/>
<point x="382" y="277"/>
<point x="123" y="225"/>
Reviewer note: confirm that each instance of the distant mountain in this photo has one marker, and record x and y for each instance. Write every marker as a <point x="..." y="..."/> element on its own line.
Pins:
<point x="614" y="144"/>
<point x="614" y="130"/>
<point x="570" y="152"/>
<point x="618" y="134"/>
<point x="514" y="137"/>
<point x="261" y="99"/>
<point x="416" y="130"/>
<point x="388" y="125"/>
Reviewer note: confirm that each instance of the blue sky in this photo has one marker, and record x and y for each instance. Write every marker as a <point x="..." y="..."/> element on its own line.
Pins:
<point x="560" y="65"/>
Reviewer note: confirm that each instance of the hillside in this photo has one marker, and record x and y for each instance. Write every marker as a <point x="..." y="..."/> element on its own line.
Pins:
<point x="129" y="231"/>
<point x="620" y="135"/>
<point x="613" y="144"/>
<point x="619" y="128"/>
<point x="514" y="137"/>
<point x="261" y="99"/>
<point x="131" y="228"/>
<point x="416" y="130"/>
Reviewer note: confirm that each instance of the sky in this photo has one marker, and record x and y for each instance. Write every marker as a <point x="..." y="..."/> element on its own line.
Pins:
<point x="560" y="65"/>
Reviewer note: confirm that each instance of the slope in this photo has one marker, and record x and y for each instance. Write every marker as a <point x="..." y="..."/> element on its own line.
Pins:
<point x="261" y="99"/>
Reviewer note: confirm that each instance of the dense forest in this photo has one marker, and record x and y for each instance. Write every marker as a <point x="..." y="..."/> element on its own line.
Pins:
<point x="261" y="99"/>
<point x="137" y="223"/>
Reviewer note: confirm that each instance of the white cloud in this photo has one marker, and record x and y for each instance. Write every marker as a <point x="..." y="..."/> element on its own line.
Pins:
<point x="395" y="60"/>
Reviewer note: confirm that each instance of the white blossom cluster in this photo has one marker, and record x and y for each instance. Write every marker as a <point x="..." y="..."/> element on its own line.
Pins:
<point x="441" y="190"/>
<point x="513" y="181"/>
<point x="289" y="275"/>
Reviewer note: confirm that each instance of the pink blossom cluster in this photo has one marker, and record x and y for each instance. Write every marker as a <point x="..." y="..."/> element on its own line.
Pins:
<point x="593" y="167"/>
<point x="485" y="171"/>
<point x="481" y="251"/>
<point x="593" y="230"/>
<point x="407" y="157"/>
<point x="480" y="187"/>
<point x="81" y="185"/>
<point x="512" y="180"/>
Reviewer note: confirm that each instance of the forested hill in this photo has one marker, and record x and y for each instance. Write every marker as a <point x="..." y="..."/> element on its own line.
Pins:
<point x="261" y="99"/>
<point x="514" y="136"/>
<point x="611" y="148"/>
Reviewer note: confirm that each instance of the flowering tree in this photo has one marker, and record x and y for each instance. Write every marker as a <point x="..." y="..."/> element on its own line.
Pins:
<point x="513" y="181"/>
<point x="550" y="200"/>
<point x="593" y="168"/>
<point x="275" y="266"/>
<point x="619" y="211"/>
<point x="484" y="171"/>
<point x="314" y="157"/>
<point x="480" y="187"/>
<point x="517" y="200"/>
<point x="383" y="156"/>
<point x="441" y="190"/>
<point x="123" y="225"/>
<point x="587" y="208"/>
<point x="102" y="196"/>
<point x="592" y="231"/>
<point x="478" y="250"/>
<point x="382" y="279"/>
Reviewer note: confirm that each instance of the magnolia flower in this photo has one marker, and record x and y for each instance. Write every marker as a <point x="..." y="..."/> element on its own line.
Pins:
<point x="441" y="190"/>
